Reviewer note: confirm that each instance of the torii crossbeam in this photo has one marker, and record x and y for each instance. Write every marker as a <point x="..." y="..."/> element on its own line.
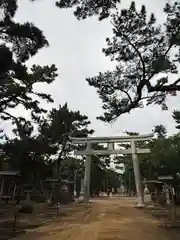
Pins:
<point x="111" y="151"/>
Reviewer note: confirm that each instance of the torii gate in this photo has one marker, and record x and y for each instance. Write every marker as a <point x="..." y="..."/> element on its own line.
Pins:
<point x="133" y="150"/>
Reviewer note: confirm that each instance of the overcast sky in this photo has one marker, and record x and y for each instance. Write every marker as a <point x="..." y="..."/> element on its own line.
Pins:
<point x="75" y="48"/>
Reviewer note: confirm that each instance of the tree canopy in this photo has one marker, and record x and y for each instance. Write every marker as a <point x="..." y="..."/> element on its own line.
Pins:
<point x="146" y="55"/>
<point x="19" y="42"/>
<point x="143" y="51"/>
<point x="88" y="8"/>
<point x="50" y="145"/>
<point x="162" y="160"/>
<point x="176" y="116"/>
<point x="59" y="125"/>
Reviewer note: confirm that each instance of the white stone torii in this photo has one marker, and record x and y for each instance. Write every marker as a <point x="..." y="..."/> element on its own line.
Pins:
<point x="111" y="141"/>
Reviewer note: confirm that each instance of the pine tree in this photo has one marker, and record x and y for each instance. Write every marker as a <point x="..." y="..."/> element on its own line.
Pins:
<point x="19" y="42"/>
<point x="58" y="126"/>
<point x="143" y="52"/>
<point x="176" y="117"/>
<point x="87" y="8"/>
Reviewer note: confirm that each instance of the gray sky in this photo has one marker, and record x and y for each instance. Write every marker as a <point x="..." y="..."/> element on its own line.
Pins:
<point x="75" y="48"/>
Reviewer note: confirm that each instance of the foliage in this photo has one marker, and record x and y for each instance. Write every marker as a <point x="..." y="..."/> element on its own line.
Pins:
<point x="128" y="179"/>
<point x="59" y="125"/>
<point x="88" y="8"/>
<point x="176" y="117"/>
<point x="162" y="160"/>
<point x="19" y="42"/>
<point x="102" y="178"/>
<point x="143" y="52"/>
<point x="160" y="130"/>
<point x="113" y="180"/>
<point x="32" y="152"/>
<point x="98" y="175"/>
<point x="27" y="153"/>
<point x="131" y="133"/>
<point x="164" y="156"/>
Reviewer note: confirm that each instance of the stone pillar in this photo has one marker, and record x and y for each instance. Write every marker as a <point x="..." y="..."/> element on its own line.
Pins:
<point x="140" y="198"/>
<point x="87" y="176"/>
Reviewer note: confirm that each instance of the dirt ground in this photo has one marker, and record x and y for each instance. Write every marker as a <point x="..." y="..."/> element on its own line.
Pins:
<point x="103" y="219"/>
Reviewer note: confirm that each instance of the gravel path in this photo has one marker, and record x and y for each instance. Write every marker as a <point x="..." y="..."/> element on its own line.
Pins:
<point x="108" y="219"/>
